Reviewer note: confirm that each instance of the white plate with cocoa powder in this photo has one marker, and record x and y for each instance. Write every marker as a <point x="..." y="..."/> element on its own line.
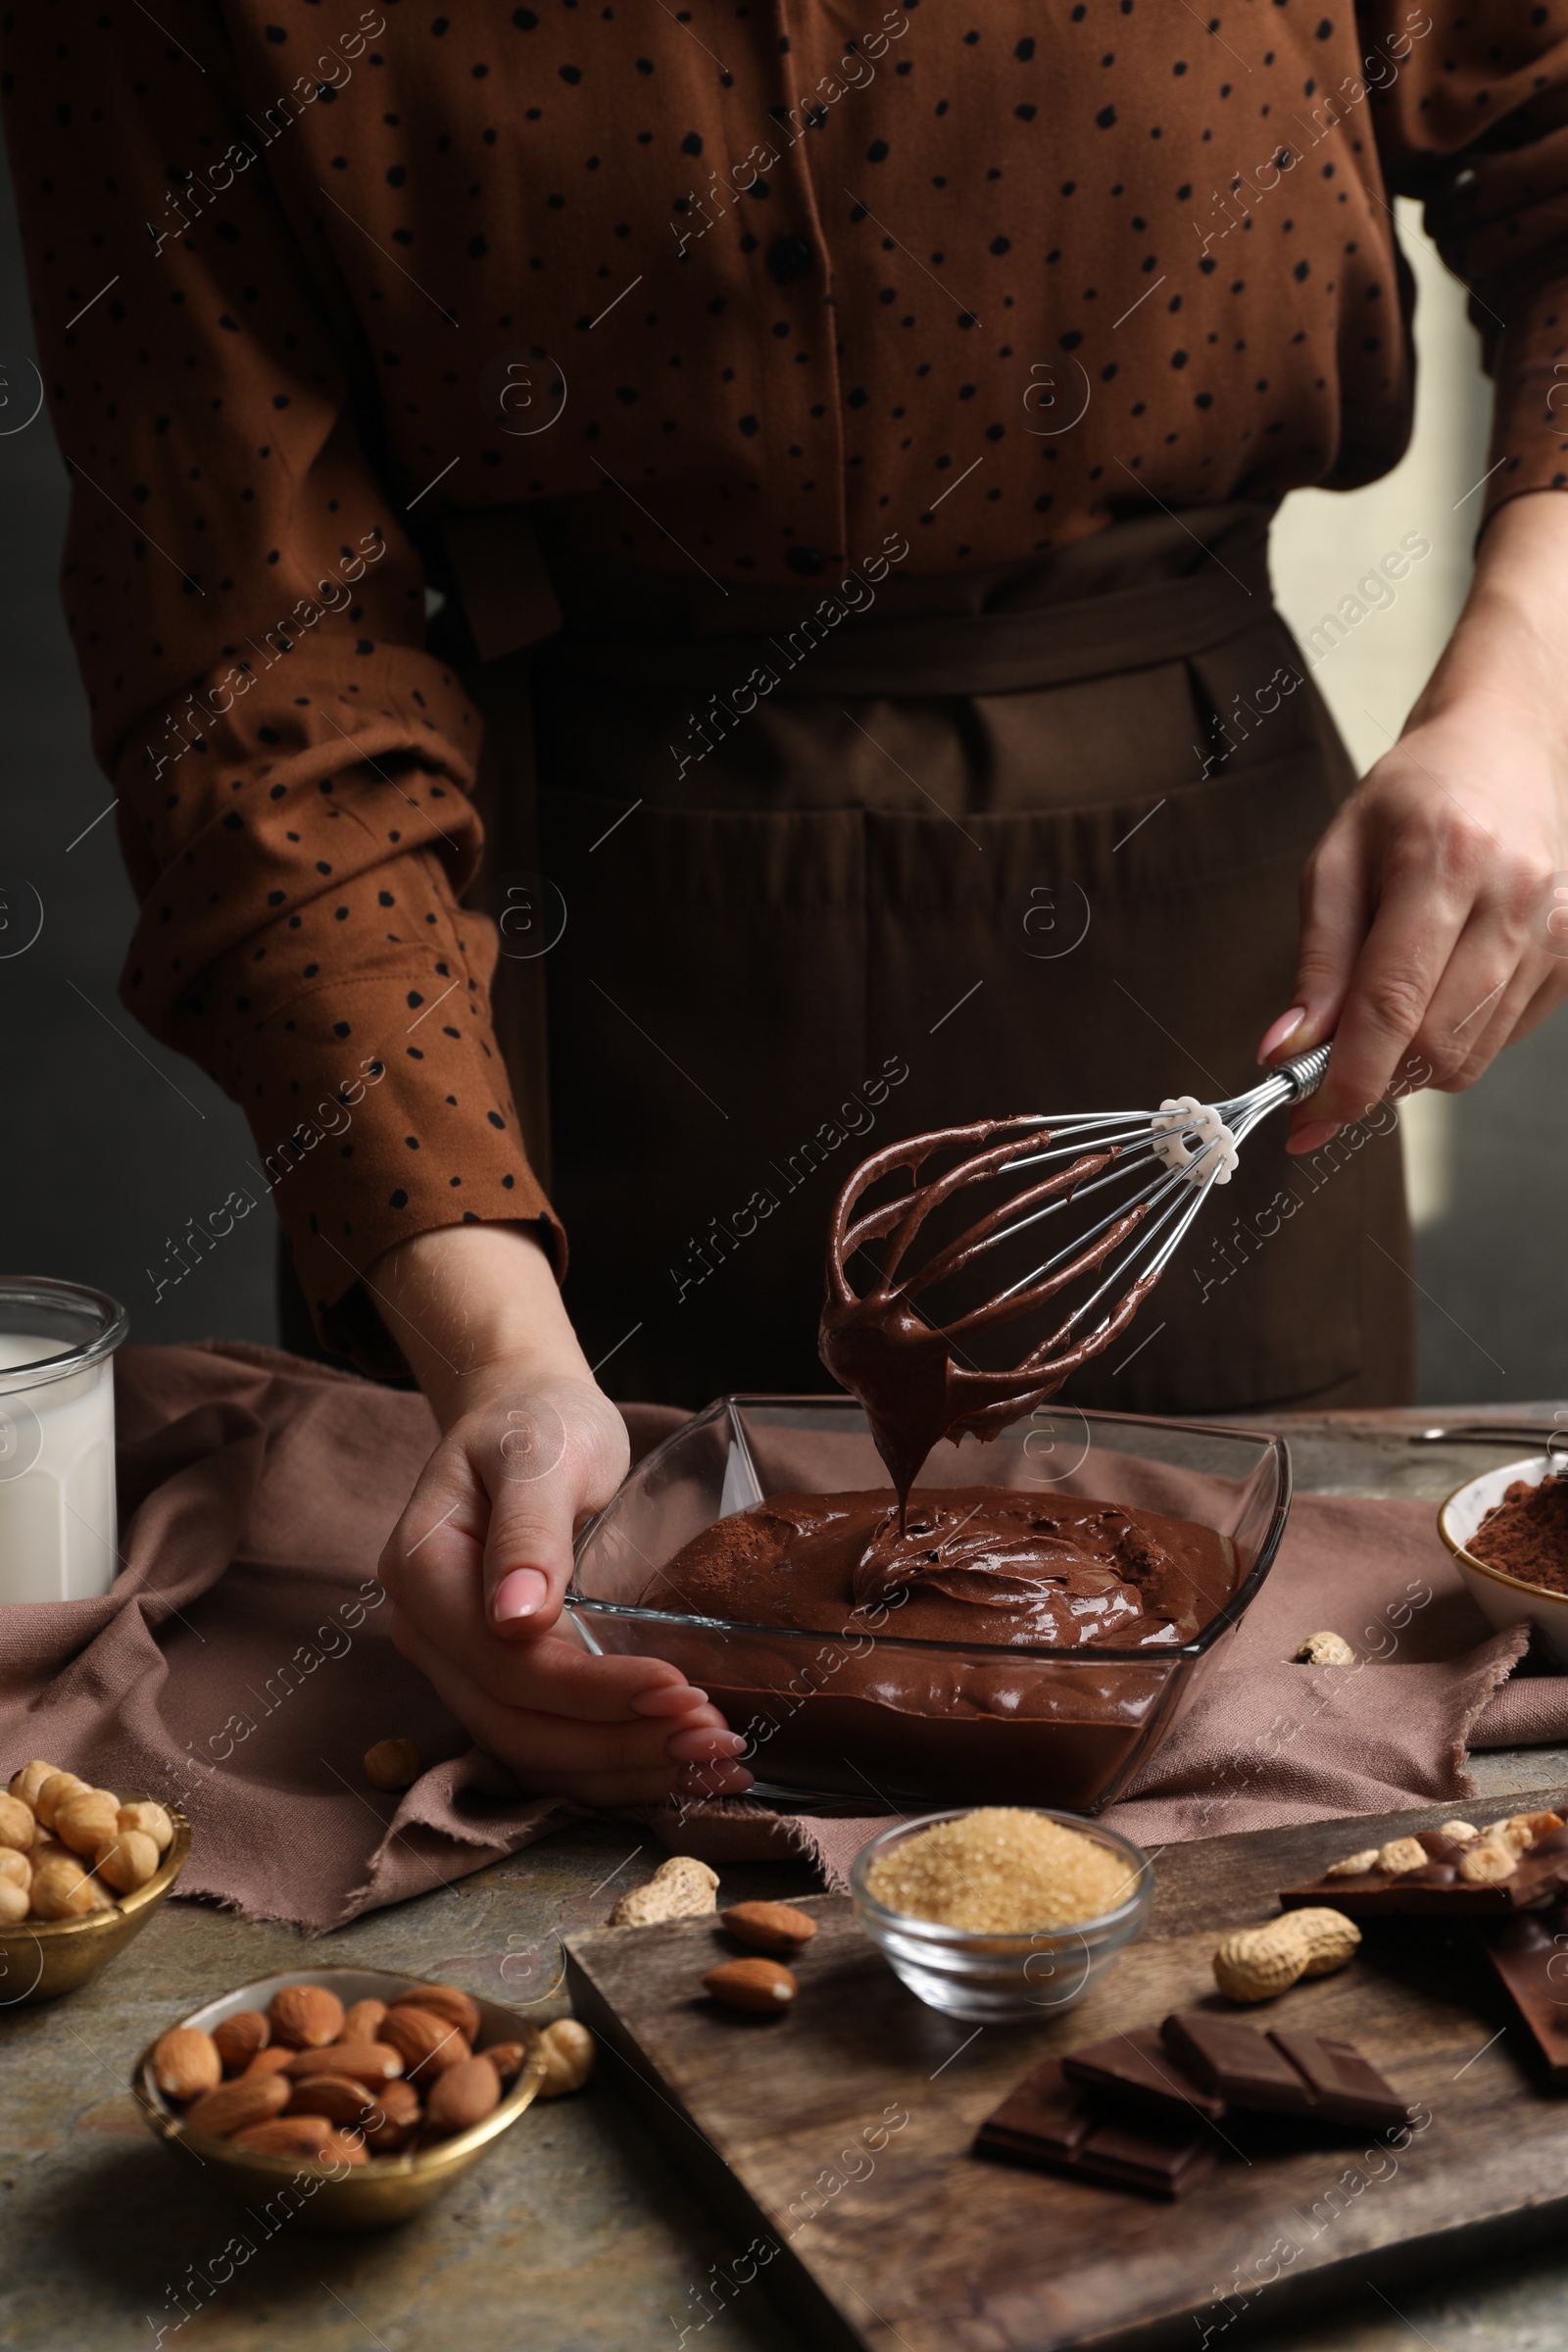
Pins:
<point x="1504" y="1598"/>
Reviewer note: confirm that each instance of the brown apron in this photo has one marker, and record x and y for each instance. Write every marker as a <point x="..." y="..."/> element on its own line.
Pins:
<point x="775" y="891"/>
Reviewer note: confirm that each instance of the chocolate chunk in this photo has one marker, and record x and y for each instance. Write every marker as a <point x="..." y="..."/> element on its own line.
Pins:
<point x="1553" y="1842"/>
<point x="1530" y="1959"/>
<point x="1138" y="2070"/>
<point x="1439" y="1848"/>
<point x="1056" y="2127"/>
<point x="1044" y="2114"/>
<point x="1345" y="2086"/>
<point x="1237" y="2063"/>
<point x="1436" y="1874"/>
<point x="1163" y="2159"/>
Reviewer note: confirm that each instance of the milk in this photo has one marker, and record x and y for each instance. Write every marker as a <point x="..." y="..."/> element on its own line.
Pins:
<point x="57" y="1476"/>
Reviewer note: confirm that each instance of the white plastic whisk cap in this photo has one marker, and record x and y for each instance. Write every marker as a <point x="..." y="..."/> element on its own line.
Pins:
<point x="1211" y="1157"/>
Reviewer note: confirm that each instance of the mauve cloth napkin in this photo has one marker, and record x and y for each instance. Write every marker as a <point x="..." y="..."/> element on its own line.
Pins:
<point x="242" y="1664"/>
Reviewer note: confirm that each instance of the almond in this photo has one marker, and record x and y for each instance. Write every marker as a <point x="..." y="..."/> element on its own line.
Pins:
<point x="362" y="2021"/>
<point x="463" y="2096"/>
<point x="185" y="2063"/>
<point x="276" y="2059"/>
<point x="393" y="2120"/>
<point x="427" y="2044"/>
<point x="17" y="1827"/>
<point x="507" y="2058"/>
<point x="443" y="2000"/>
<point x="759" y="1986"/>
<point x="285" y="2136"/>
<point x="342" y="2148"/>
<point x="336" y="2096"/>
<point x="370" y="2062"/>
<point x="770" y="1927"/>
<point x="239" y="2038"/>
<point x="234" y="2106"/>
<point x="87" y="1818"/>
<point x="305" y="2015"/>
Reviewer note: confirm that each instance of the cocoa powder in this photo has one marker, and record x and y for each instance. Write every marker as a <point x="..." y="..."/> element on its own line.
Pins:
<point x="1525" y="1534"/>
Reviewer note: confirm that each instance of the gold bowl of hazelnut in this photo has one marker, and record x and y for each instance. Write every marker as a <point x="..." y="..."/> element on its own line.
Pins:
<point x="347" y="2098"/>
<point x="81" y="1871"/>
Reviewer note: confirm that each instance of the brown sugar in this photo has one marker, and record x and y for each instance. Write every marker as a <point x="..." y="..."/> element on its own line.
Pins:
<point x="1002" y="1871"/>
<point x="1525" y="1534"/>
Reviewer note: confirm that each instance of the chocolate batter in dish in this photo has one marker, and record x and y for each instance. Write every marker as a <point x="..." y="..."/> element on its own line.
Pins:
<point x="984" y="1565"/>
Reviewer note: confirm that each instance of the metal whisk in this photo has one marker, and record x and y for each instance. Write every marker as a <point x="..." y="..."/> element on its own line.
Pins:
<point x="1148" y="1173"/>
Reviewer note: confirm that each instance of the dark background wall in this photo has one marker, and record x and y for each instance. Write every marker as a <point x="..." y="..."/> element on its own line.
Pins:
<point x="109" y="1145"/>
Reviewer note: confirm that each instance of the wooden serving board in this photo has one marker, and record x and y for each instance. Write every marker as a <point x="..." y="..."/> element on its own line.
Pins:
<point x="834" y="2140"/>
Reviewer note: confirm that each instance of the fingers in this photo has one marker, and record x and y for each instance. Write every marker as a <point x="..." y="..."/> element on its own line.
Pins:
<point x="546" y="1461"/>
<point x="1334" y="911"/>
<point x="603" y="1763"/>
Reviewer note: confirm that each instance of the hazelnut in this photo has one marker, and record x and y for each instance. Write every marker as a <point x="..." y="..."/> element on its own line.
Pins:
<point x="15" y="1867"/>
<point x="55" y="1789"/>
<point x="1325" y="1649"/>
<point x="17" y="1827"/>
<point x="1402" y="1854"/>
<point x="153" y="1821"/>
<point x="62" y="1890"/>
<point x="680" y="1888"/>
<point x="14" y="1902"/>
<point x="27" y="1782"/>
<point x="86" y="1819"/>
<point x="240" y="2038"/>
<point x="305" y="2015"/>
<point x="127" y="1861"/>
<point x="1488" y="1863"/>
<point x="1354" y="1866"/>
<point x="186" y="2063"/>
<point x="393" y="1764"/>
<point x="567" y="2048"/>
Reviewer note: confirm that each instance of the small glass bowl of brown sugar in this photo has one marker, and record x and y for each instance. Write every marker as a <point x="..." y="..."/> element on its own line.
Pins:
<point x="1001" y="1912"/>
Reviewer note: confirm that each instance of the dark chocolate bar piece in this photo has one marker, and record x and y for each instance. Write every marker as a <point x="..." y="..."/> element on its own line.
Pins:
<point x="1057" y="2126"/>
<point x="1138" y="2070"/>
<point x="1346" y="2087"/>
<point x="1236" y="2064"/>
<point x="1530" y="1955"/>
<point x="1439" y="1887"/>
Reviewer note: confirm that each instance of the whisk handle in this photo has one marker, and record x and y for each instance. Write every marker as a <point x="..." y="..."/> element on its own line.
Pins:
<point x="1306" y="1072"/>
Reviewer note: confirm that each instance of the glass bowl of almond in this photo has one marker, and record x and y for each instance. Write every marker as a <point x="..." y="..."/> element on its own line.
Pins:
<point x="346" y="2099"/>
<point x="83" y="1869"/>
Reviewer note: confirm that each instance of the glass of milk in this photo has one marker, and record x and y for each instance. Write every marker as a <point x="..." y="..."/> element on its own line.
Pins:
<point x="58" y="1533"/>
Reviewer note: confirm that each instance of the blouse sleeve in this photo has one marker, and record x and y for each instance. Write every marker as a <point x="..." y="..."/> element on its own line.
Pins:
<point x="291" y="764"/>
<point x="1470" y="105"/>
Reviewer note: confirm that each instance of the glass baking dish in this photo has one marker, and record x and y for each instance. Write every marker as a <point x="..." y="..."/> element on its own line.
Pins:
<point x="890" y="1720"/>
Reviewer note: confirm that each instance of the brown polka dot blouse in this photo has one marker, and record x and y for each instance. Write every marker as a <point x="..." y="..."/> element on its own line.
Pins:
<point x="783" y="276"/>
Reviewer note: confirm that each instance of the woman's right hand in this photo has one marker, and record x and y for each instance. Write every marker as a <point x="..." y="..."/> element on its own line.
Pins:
<point x="478" y="1565"/>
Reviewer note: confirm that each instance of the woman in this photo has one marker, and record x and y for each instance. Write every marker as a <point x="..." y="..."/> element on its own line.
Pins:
<point x="836" y="449"/>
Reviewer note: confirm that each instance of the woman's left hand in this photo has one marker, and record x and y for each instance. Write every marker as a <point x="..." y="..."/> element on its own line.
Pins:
<point x="1431" y="935"/>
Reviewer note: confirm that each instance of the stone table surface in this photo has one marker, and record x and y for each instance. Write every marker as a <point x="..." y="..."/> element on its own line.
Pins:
<point x="577" y="2232"/>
